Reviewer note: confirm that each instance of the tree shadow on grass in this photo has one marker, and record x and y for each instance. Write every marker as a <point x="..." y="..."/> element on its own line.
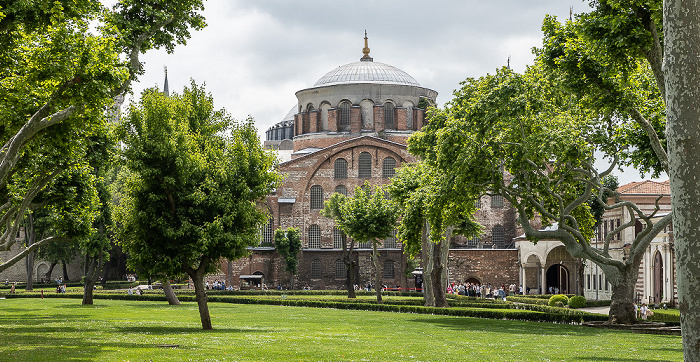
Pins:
<point x="513" y="327"/>
<point x="598" y="358"/>
<point x="166" y="330"/>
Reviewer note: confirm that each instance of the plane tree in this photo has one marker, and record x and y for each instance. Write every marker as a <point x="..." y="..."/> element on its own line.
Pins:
<point x="367" y="217"/>
<point x="63" y="63"/>
<point x="196" y="178"/>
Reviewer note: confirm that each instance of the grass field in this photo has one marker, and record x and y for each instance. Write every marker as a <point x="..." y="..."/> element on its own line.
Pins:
<point x="62" y="329"/>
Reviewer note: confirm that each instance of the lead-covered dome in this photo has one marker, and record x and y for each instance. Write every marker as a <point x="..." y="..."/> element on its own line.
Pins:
<point x="366" y="72"/>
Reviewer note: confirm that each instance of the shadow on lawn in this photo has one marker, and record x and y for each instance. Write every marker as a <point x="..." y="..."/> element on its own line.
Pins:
<point x="514" y="327"/>
<point x="165" y="330"/>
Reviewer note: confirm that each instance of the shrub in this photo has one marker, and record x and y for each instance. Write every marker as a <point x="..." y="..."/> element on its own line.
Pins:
<point x="577" y="301"/>
<point x="558" y="298"/>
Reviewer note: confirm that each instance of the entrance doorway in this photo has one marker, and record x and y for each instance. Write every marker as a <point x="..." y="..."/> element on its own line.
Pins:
<point x="658" y="278"/>
<point x="558" y="277"/>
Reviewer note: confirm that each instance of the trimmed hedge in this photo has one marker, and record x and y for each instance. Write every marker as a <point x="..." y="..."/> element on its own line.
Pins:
<point x="527" y="300"/>
<point x="558" y="300"/>
<point x="577" y="301"/>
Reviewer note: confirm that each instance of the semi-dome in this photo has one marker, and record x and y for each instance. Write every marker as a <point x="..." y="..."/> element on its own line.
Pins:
<point x="366" y="72"/>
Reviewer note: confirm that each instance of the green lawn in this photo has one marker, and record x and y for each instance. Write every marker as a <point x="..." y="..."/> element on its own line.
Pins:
<point x="62" y="329"/>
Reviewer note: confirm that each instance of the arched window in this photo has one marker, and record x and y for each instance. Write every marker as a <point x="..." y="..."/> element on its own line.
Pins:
<point x="365" y="169"/>
<point x="496" y="201"/>
<point x="344" y="116"/>
<point x="390" y="242"/>
<point x="389" y="116"/>
<point x="314" y="237"/>
<point x="339" y="238"/>
<point x="340" y="269"/>
<point x="477" y="203"/>
<point x="498" y="237"/>
<point x="316" y="269"/>
<point x="268" y="232"/>
<point x="341" y="189"/>
<point x="389" y="167"/>
<point x="388" y="269"/>
<point x="316" y="202"/>
<point x="340" y="169"/>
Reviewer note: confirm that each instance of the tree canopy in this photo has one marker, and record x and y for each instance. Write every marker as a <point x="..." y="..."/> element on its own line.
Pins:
<point x="196" y="178"/>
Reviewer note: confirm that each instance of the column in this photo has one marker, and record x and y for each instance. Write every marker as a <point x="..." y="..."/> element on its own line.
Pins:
<point x="543" y="281"/>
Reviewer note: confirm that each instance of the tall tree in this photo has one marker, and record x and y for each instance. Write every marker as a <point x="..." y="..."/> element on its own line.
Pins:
<point x="682" y="83"/>
<point x="333" y="209"/>
<point x="196" y="179"/>
<point x="367" y="216"/>
<point x="288" y="244"/>
<point x="528" y="139"/>
<point x="56" y="91"/>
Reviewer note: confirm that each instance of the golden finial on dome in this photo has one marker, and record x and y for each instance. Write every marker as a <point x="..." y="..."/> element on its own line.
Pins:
<point x="365" y="51"/>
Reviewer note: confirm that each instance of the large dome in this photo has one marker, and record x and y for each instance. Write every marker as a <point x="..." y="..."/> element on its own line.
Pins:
<point x="366" y="72"/>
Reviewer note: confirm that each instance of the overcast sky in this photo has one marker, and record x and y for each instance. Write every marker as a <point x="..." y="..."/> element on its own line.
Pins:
<point x="254" y="55"/>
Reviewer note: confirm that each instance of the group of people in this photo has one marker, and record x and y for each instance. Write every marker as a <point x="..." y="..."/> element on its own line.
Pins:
<point x="484" y="290"/>
<point x="642" y="312"/>
<point x="218" y="285"/>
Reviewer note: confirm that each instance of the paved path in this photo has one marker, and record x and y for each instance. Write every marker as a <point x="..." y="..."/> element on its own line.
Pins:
<point x="599" y="310"/>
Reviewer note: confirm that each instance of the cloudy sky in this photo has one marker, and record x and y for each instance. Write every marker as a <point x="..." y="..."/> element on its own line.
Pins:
<point x="254" y="55"/>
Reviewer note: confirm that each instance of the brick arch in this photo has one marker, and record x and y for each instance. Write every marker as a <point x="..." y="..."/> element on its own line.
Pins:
<point x="316" y="166"/>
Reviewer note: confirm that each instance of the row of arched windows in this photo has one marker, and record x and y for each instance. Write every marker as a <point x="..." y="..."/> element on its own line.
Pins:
<point x="345" y="114"/>
<point x="340" y="167"/>
<point x="339" y="269"/>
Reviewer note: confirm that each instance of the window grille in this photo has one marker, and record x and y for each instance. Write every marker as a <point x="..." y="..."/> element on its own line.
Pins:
<point x="344" y="116"/>
<point x="314" y="237"/>
<point x="388" y="269"/>
<point x="390" y="242"/>
<point x="365" y="169"/>
<point x="498" y="237"/>
<point x="340" y="269"/>
<point x="268" y="233"/>
<point x="316" y="197"/>
<point x="364" y="245"/>
<point x="340" y="169"/>
<point x="389" y="116"/>
<point x="477" y="203"/>
<point x="316" y="269"/>
<point x="389" y="167"/>
<point x="473" y="242"/>
<point x="341" y="189"/>
<point x="496" y="201"/>
<point x="339" y="238"/>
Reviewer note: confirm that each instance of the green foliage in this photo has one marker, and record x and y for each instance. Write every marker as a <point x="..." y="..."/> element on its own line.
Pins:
<point x="367" y="216"/>
<point x="194" y="178"/>
<point x="577" y="301"/>
<point x="288" y="244"/>
<point x="558" y="300"/>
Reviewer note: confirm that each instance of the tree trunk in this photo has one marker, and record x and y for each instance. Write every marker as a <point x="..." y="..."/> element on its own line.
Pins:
<point x="427" y="251"/>
<point x="169" y="293"/>
<point x="30" y="237"/>
<point x="47" y="276"/>
<point x="201" y="296"/>
<point x="437" y="274"/>
<point x="349" y="270"/>
<point x="682" y="78"/>
<point x="622" y="299"/>
<point x="65" y="271"/>
<point x="91" y="275"/>
<point x="377" y="272"/>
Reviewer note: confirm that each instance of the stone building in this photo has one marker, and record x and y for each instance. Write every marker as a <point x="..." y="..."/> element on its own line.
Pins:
<point x="349" y="128"/>
<point x="547" y="263"/>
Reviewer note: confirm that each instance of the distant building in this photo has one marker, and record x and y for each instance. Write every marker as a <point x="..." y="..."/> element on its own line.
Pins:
<point x="350" y="127"/>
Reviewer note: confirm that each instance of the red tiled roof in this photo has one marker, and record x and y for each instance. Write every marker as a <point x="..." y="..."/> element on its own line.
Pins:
<point x="646" y="187"/>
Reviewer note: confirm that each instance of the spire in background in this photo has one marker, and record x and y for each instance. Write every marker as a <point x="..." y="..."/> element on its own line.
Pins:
<point x="365" y="51"/>
<point x="166" y="91"/>
<point x="508" y="64"/>
<point x="571" y="13"/>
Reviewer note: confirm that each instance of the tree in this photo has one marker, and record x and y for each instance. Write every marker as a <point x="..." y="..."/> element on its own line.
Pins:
<point x="428" y="222"/>
<point x="682" y="83"/>
<point x="367" y="216"/>
<point x="528" y="139"/>
<point x="196" y="178"/>
<point x="288" y="244"/>
<point x="56" y="91"/>
<point x="333" y="209"/>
